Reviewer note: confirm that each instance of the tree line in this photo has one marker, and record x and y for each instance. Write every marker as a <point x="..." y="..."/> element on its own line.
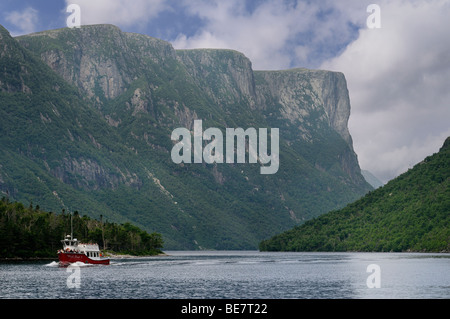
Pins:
<point x="29" y="232"/>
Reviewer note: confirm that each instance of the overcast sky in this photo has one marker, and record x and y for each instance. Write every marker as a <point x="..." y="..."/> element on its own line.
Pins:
<point x="398" y="75"/>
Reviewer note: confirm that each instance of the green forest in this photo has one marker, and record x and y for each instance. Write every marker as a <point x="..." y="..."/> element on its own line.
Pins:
<point x="29" y="232"/>
<point x="410" y="213"/>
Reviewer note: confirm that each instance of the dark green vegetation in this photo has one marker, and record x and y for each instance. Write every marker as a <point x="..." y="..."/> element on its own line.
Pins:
<point x="29" y="232"/>
<point x="410" y="213"/>
<point x="86" y="117"/>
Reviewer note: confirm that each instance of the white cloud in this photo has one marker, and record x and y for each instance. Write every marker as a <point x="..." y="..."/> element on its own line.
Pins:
<point x="118" y="12"/>
<point x="398" y="77"/>
<point x="24" y="21"/>
<point x="274" y="35"/>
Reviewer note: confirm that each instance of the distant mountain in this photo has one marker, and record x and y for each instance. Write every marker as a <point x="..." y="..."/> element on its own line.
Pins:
<point x="371" y="179"/>
<point x="86" y="117"/>
<point x="409" y="213"/>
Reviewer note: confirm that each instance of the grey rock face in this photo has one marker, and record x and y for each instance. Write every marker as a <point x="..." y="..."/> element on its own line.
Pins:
<point x="299" y="92"/>
<point x="100" y="60"/>
<point x="226" y="75"/>
<point x="331" y="88"/>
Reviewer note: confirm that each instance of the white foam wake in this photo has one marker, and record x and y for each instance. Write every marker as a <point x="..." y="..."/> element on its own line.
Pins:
<point x="75" y="264"/>
<point x="53" y="264"/>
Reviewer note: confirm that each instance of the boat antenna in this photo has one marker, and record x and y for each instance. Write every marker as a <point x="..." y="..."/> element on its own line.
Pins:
<point x="71" y="226"/>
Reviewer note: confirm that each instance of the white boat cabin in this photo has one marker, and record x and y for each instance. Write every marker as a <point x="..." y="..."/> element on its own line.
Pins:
<point x="72" y="245"/>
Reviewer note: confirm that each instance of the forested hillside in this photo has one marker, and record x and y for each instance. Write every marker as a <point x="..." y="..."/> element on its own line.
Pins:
<point x="410" y="213"/>
<point x="29" y="232"/>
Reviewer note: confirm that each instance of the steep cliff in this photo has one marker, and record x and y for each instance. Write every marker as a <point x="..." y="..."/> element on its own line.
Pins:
<point x="311" y="102"/>
<point x="101" y="60"/>
<point x="225" y="75"/>
<point x="123" y="95"/>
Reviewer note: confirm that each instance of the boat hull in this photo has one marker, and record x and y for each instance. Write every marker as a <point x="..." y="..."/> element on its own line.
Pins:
<point x="67" y="258"/>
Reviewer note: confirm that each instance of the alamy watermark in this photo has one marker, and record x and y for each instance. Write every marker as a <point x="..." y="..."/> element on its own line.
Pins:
<point x="74" y="19"/>
<point x="249" y="141"/>
<point x="74" y="279"/>
<point x="374" y="279"/>
<point x="374" y="19"/>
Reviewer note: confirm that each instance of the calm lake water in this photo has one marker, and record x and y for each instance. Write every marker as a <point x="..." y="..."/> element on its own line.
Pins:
<point x="235" y="275"/>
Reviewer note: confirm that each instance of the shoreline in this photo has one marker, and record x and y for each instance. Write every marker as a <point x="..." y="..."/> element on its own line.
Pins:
<point x="124" y="256"/>
<point x="128" y="256"/>
<point x="110" y="255"/>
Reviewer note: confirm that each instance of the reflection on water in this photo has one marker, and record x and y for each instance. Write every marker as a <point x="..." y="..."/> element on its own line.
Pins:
<point x="236" y="274"/>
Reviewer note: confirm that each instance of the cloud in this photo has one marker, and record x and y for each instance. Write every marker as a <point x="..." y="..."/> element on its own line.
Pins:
<point x="398" y="78"/>
<point x="119" y="12"/>
<point x="272" y="34"/>
<point x="24" y="21"/>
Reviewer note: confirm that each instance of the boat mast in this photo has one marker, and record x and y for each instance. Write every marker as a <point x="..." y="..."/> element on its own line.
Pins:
<point x="71" y="227"/>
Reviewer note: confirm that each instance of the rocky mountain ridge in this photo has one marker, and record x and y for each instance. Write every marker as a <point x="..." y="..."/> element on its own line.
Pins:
<point x="79" y="63"/>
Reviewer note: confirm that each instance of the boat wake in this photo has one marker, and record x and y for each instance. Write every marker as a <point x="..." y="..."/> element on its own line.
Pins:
<point x="53" y="264"/>
<point x="75" y="264"/>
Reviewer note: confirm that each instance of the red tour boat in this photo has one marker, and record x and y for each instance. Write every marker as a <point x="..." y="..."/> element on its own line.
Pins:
<point x="73" y="251"/>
